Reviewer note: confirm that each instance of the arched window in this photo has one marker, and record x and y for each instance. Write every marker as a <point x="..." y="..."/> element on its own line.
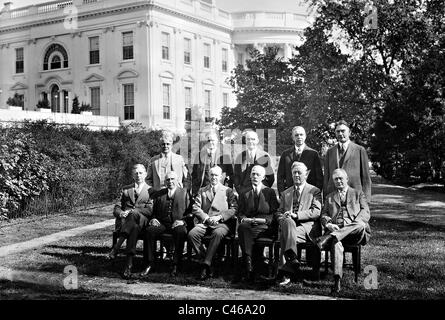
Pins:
<point x="56" y="57"/>
<point x="55" y="62"/>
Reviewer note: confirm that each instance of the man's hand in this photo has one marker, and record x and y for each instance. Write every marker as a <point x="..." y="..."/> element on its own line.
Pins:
<point x="332" y="227"/>
<point x="214" y="220"/>
<point x="290" y="214"/>
<point x="125" y="213"/>
<point x="178" y="223"/>
<point x="154" y="222"/>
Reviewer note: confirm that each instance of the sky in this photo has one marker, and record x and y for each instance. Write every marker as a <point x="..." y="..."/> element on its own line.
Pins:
<point x="228" y="5"/>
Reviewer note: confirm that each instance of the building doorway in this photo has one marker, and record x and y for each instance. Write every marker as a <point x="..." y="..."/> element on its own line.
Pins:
<point x="55" y="98"/>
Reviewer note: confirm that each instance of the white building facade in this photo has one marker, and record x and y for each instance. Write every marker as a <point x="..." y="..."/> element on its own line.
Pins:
<point x="146" y="61"/>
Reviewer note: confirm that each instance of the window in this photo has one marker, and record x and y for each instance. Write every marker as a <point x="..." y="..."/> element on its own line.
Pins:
<point x="165" y="40"/>
<point x="56" y="62"/>
<point x="225" y="57"/>
<point x="187" y="51"/>
<point x="207" y="105"/>
<point x="95" y="100"/>
<point x="166" y="100"/>
<point x="94" y="50"/>
<point x="51" y="62"/>
<point x="19" y="60"/>
<point x="128" y="101"/>
<point x="225" y="99"/>
<point x="127" y="45"/>
<point x="188" y="103"/>
<point x="240" y="59"/>
<point x="206" y="55"/>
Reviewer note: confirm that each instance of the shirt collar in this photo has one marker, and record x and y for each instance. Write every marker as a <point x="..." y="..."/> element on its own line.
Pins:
<point x="346" y="144"/>
<point x="140" y="186"/>
<point x="171" y="192"/>
<point x="345" y="190"/>
<point x="301" y="187"/>
<point x="301" y="147"/>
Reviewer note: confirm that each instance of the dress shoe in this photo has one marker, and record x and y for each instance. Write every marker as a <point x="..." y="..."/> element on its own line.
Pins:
<point x="174" y="271"/>
<point x="337" y="286"/>
<point x="127" y="272"/>
<point x="284" y="281"/>
<point x="146" y="271"/>
<point x="205" y="272"/>
<point x="324" y="241"/>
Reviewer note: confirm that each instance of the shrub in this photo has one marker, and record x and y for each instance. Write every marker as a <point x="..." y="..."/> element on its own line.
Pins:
<point x="43" y="104"/>
<point x="24" y="172"/>
<point x="15" y="101"/>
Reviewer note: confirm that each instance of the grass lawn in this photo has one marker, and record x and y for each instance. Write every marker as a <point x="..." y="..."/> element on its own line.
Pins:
<point x="409" y="258"/>
<point x="407" y="247"/>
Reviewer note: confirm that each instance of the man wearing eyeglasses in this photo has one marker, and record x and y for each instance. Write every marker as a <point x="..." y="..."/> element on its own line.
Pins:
<point x="166" y="162"/>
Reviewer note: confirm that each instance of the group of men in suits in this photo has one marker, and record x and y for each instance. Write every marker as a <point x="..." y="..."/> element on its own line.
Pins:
<point x="216" y="192"/>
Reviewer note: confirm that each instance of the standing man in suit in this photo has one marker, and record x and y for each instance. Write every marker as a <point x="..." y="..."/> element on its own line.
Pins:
<point x="209" y="157"/>
<point x="257" y="206"/>
<point x="247" y="159"/>
<point x="169" y="210"/>
<point x="214" y="205"/>
<point x="345" y="217"/>
<point x="348" y="156"/>
<point x="299" y="220"/>
<point x="165" y="162"/>
<point x="132" y="215"/>
<point x="302" y="153"/>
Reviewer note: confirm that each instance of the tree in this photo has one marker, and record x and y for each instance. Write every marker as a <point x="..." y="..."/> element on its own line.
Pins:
<point x="75" y="107"/>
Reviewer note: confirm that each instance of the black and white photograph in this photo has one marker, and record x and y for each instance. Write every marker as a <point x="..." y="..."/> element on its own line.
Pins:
<point x="222" y="158"/>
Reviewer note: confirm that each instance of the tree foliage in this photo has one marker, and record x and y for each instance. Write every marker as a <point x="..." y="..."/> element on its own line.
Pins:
<point x="385" y="79"/>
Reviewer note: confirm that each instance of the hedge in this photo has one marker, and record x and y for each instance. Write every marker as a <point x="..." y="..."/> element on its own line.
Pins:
<point x="45" y="167"/>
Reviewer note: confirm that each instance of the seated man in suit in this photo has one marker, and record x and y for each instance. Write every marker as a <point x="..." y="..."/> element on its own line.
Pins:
<point x="345" y="217"/>
<point x="209" y="157"/>
<point x="169" y="210"/>
<point x="132" y="215"/>
<point x="298" y="218"/>
<point x="245" y="161"/>
<point x="165" y="162"/>
<point x="257" y="206"/>
<point x="214" y="205"/>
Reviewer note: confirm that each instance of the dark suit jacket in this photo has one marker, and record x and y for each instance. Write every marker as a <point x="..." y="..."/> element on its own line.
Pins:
<point x="355" y="164"/>
<point x="178" y="165"/>
<point x="198" y="170"/>
<point x="223" y="203"/>
<point x="242" y="173"/>
<point x="308" y="210"/>
<point x="142" y="206"/>
<point x="312" y="161"/>
<point x="267" y="204"/>
<point x="181" y="205"/>
<point x="356" y="205"/>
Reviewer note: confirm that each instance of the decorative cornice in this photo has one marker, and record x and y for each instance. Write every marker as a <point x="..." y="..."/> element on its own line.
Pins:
<point x="123" y="8"/>
<point x="268" y="29"/>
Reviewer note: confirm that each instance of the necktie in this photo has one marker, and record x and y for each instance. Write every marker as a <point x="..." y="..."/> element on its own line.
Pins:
<point x="341" y="154"/>
<point x="255" y="197"/>
<point x="214" y="190"/>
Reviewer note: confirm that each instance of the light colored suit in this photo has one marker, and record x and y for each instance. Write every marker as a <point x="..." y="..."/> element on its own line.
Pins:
<point x="177" y="165"/>
<point x="356" y="165"/>
<point x="355" y="231"/>
<point x="206" y="205"/>
<point x="307" y="225"/>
